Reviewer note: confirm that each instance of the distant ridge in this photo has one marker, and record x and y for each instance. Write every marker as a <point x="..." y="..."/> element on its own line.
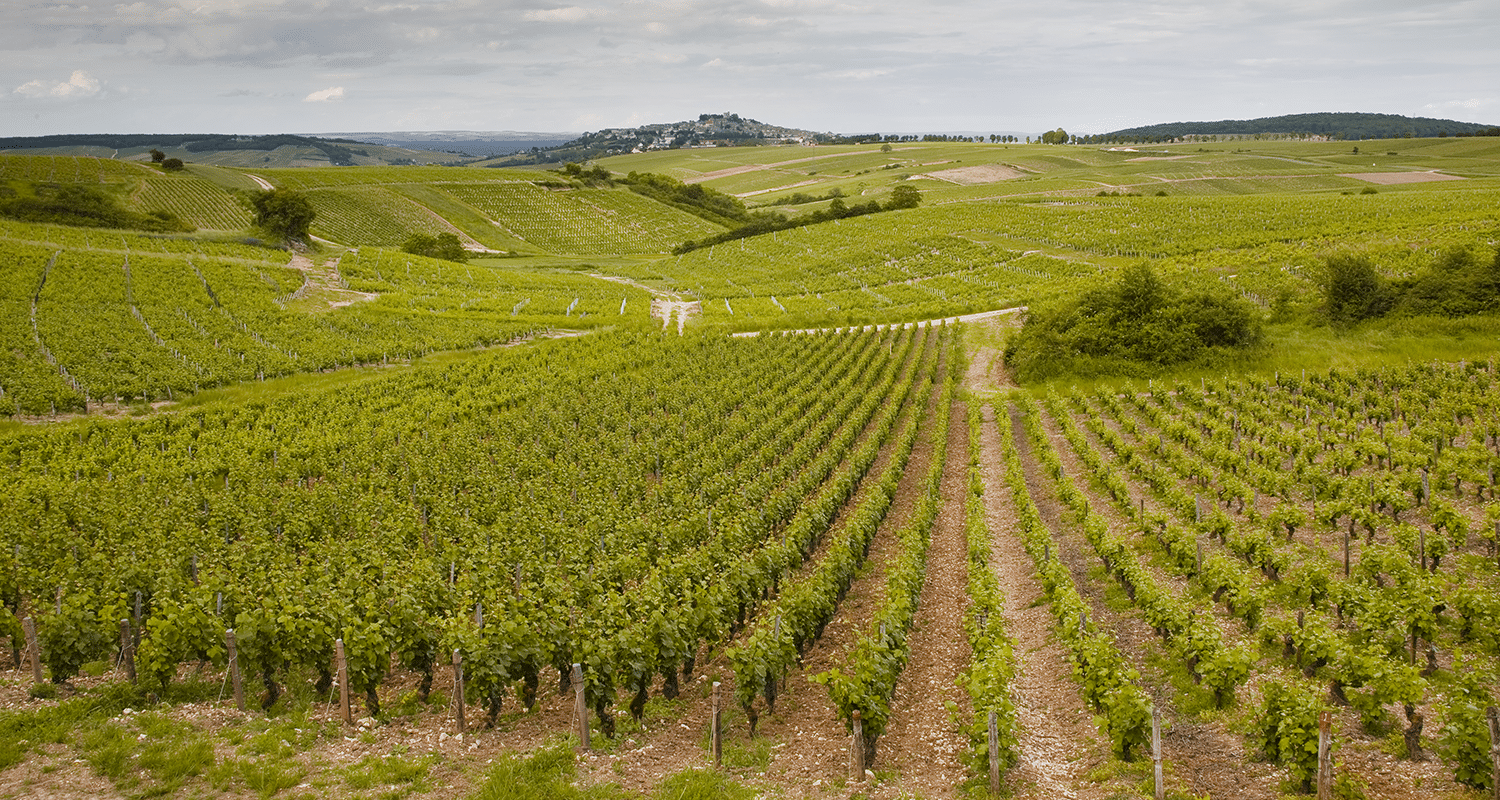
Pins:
<point x="1334" y="125"/>
<point x="225" y="149"/>
<point x="480" y="144"/>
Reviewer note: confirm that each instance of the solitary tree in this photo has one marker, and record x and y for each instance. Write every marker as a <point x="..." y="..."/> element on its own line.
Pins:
<point x="283" y="213"/>
<point x="171" y="164"/>
<point x="157" y="156"/>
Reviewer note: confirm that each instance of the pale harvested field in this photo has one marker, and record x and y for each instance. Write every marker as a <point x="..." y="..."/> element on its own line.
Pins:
<point x="1393" y="178"/>
<point x="971" y="176"/>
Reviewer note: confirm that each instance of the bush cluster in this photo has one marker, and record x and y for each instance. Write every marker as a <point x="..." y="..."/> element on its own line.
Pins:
<point x="85" y="206"/>
<point x="1131" y="327"/>
<point x="445" y="246"/>
<point x="1457" y="283"/>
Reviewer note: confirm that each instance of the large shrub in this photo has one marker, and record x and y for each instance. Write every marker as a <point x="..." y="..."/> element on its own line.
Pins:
<point x="1133" y="325"/>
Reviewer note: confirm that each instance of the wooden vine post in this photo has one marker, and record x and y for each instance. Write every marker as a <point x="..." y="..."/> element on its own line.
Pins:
<point x="1349" y="535"/>
<point x="458" y="691"/>
<point x="994" y="744"/>
<point x="716" y="731"/>
<point x="1156" y="776"/>
<point x="341" y="668"/>
<point x="580" y="706"/>
<point x="1494" y="718"/>
<point x="231" y="648"/>
<point x="127" y="651"/>
<point x="1325" y="756"/>
<point x="857" y="749"/>
<point x="33" y="650"/>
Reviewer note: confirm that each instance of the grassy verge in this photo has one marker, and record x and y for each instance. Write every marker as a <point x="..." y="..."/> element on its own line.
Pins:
<point x="1293" y="348"/>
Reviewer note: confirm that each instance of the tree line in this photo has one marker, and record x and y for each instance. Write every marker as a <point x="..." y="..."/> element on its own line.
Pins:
<point x="760" y="222"/>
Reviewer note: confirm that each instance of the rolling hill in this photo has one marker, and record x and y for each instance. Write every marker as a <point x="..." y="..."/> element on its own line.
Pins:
<point x="1334" y="125"/>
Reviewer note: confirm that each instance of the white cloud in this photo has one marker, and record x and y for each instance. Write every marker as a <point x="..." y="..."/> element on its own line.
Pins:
<point x="325" y="95"/>
<point x="1472" y="104"/>
<point x="859" y="74"/>
<point x="569" y="14"/>
<point x="80" y="85"/>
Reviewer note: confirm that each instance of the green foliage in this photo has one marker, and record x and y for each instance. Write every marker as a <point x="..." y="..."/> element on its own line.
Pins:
<point x="444" y="245"/>
<point x="23" y="729"/>
<point x="1466" y="732"/>
<point x="283" y="213"/>
<point x="1343" y="125"/>
<point x="1058" y="136"/>
<point x="694" y="198"/>
<point x="149" y="749"/>
<point x="762" y="222"/>
<point x="80" y="205"/>
<point x="74" y="636"/>
<point x="1286" y="729"/>
<point x="904" y="196"/>
<point x="392" y="770"/>
<point x="1131" y="325"/>
<point x="172" y="165"/>
<point x="544" y="774"/>
<point x="1352" y="289"/>
<point x="1460" y="281"/>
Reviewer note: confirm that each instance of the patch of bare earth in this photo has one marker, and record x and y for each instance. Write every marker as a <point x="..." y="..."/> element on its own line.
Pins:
<point x="323" y="286"/>
<point x="976" y="175"/>
<point x="1059" y="744"/>
<point x="1396" y="178"/>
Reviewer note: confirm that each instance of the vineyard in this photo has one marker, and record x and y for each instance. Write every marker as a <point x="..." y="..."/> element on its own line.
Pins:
<point x="345" y="522"/>
<point x="95" y="317"/>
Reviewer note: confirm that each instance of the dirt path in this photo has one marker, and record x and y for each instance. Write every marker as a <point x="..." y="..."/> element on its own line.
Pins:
<point x="261" y="182"/>
<point x="923" y="744"/>
<point x="665" y="306"/>
<point x="1059" y="743"/>
<point x="975" y="317"/>
<point x="322" y="285"/>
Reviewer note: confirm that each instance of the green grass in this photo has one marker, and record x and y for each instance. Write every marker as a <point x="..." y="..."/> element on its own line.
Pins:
<point x="1299" y="346"/>
<point x="147" y="754"/>
<point x="403" y="773"/>
<point x="22" y="730"/>
<point x="551" y="773"/>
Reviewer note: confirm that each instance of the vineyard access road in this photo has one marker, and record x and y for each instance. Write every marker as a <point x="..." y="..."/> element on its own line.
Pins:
<point x="665" y="306"/>
<point x="975" y="317"/>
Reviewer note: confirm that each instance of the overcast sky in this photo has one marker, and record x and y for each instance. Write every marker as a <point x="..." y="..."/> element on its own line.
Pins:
<point x="1090" y="66"/>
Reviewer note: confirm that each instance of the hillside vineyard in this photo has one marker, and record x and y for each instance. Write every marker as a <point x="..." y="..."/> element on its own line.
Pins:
<point x="343" y="520"/>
